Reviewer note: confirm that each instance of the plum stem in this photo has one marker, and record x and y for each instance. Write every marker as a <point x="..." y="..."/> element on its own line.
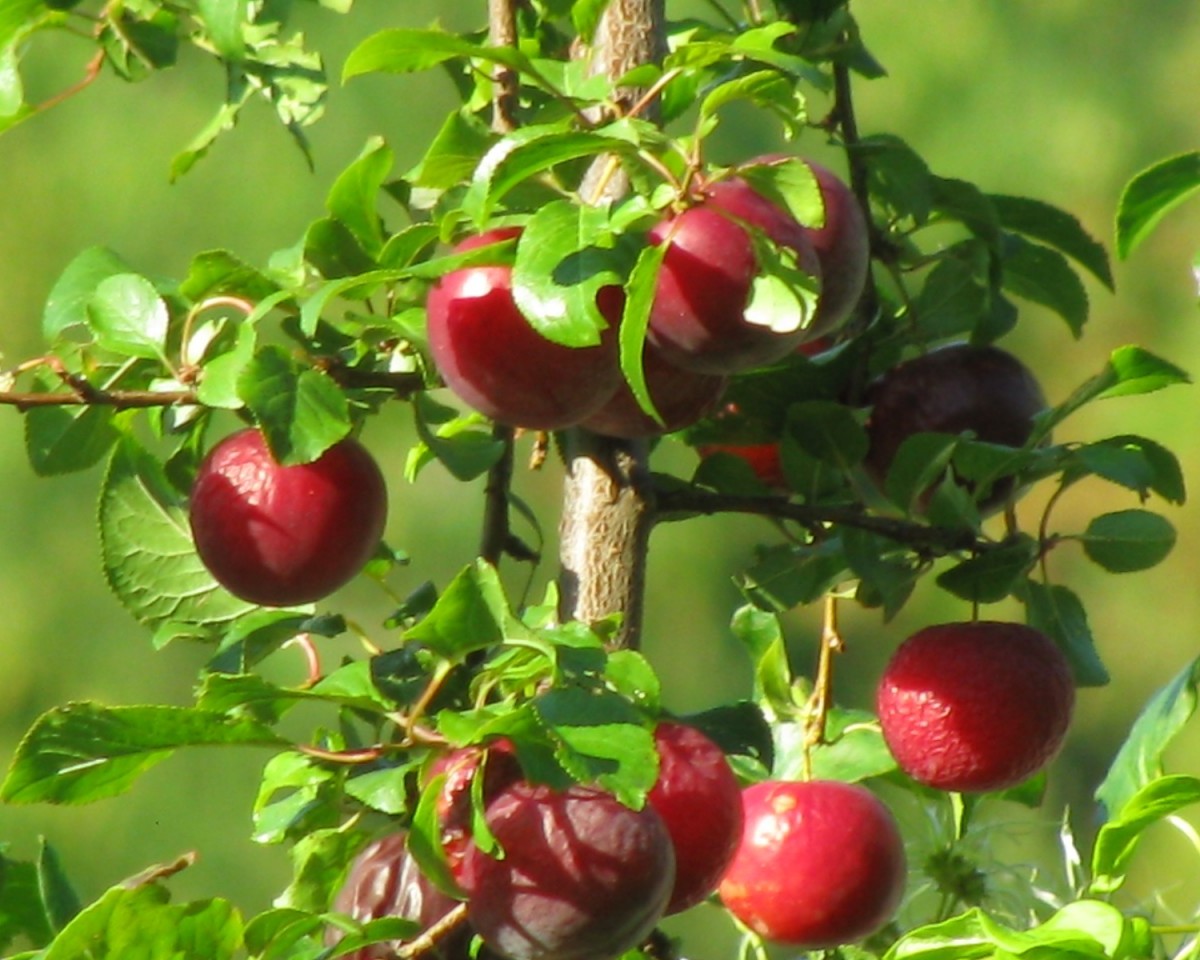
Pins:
<point x="816" y="712"/>
<point x="433" y="935"/>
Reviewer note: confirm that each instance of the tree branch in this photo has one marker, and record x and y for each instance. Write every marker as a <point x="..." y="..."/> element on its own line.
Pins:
<point x="679" y="504"/>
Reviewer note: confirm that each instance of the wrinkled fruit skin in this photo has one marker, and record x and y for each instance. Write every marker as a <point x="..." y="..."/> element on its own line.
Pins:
<point x="286" y="535"/>
<point x="975" y="706"/>
<point x="490" y="356"/>
<point x="843" y="248"/>
<point x="680" y="396"/>
<point x="700" y="802"/>
<point x="384" y="881"/>
<point x="698" y="318"/>
<point x="954" y="389"/>
<point x="821" y="863"/>
<point x="583" y="877"/>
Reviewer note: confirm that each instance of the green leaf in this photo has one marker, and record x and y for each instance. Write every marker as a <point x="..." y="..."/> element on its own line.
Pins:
<point x="471" y="614"/>
<point x="461" y="445"/>
<point x="606" y="740"/>
<point x="59" y="899"/>
<point x="785" y="577"/>
<point x="635" y="320"/>
<point x="920" y="462"/>
<point x="67" y="306"/>
<point x="1118" y="838"/>
<point x="301" y="411"/>
<point x="1151" y="195"/>
<point x="139" y="922"/>
<point x="146" y="545"/>
<point x="1139" y="761"/>
<point x="1057" y="228"/>
<point x="990" y="577"/>
<point x="317" y="868"/>
<point x="128" y="316"/>
<point x="454" y="153"/>
<point x="84" y="751"/>
<point x="215" y="273"/>
<point x="1042" y="274"/>
<point x="853" y="750"/>
<point x="952" y="300"/>
<point x="62" y="440"/>
<point x="762" y="636"/>
<point x="403" y="50"/>
<point x="23" y="911"/>
<point x="1128" y="540"/>
<point x="354" y="195"/>
<point x="828" y="431"/>
<point x="564" y="257"/>
<point x="1057" y="612"/>
<point x="224" y="20"/>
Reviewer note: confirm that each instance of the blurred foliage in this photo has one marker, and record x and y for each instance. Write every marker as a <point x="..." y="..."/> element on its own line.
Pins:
<point x="1064" y="102"/>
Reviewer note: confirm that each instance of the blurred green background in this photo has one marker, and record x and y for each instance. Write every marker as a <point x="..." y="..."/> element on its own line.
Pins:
<point x="1061" y="101"/>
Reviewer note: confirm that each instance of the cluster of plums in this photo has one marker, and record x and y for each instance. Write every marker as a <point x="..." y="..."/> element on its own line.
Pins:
<point x="815" y="864"/>
<point x="702" y="327"/>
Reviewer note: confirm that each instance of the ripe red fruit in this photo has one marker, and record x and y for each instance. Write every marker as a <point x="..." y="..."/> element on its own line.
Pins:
<point x="821" y="863"/>
<point x="956" y="389"/>
<point x="680" y="396"/>
<point x="282" y="535"/>
<point x="500" y="769"/>
<point x="698" y="319"/>
<point x="975" y="706"/>
<point x="843" y="247"/>
<point x="492" y="358"/>
<point x="583" y="877"/>
<point x="699" y="800"/>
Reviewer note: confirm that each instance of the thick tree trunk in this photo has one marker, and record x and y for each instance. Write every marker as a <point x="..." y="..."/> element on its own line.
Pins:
<point x="607" y="499"/>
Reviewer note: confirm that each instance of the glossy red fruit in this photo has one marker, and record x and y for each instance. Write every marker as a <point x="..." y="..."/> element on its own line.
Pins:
<point x="821" y="863"/>
<point x="843" y="247"/>
<point x="700" y="802"/>
<point x="975" y="706"/>
<point x="956" y="389"/>
<point x="583" y="876"/>
<point x="492" y="358"/>
<point x="284" y="535"/>
<point x="699" y="317"/>
<point x="384" y="881"/>
<point x="680" y="396"/>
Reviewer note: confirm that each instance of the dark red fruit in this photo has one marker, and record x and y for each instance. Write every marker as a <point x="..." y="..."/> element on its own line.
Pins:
<point x="492" y="358"/>
<point x="499" y="767"/>
<point x="700" y="803"/>
<point x="680" y="396"/>
<point x="957" y="389"/>
<point x="384" y="881"/>
<point x="583" y="877"/>
<point x="821" y="863"/>
<point x="844" y="250"/>
<point x="285" y="535"/>
<point x="699" y="318"/>
<point x="975" y="706"/>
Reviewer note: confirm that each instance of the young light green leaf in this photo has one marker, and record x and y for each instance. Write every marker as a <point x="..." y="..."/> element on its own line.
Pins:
<point x="454" y="153"/>
<point x="461" y="444"/>
<point x="762" y="636"/>
<point x="301" y="410"/>
<point x="1056" y="228"/>
<point x="67" y="306"/>
<point x="318" y="860"/>
<point x="1151" y="195"/>
<point x="1118" y="838"/>
<point x="138" y="921"/>
<point x="149" y="559"/>
<point x="403" y="50"/>
<point x="635" y="320"/>
<point x="564" y="257"/>
<point x="84" y="751"/>
<point x="1139" y="761"/>
<point x="224" y="20"/>
<point x="1128" y="540"/>
<point x="128" y="316"/>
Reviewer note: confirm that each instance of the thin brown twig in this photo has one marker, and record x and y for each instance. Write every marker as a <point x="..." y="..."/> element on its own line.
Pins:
<point x="817" y="711"/>
<point x="90" y="75"/>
